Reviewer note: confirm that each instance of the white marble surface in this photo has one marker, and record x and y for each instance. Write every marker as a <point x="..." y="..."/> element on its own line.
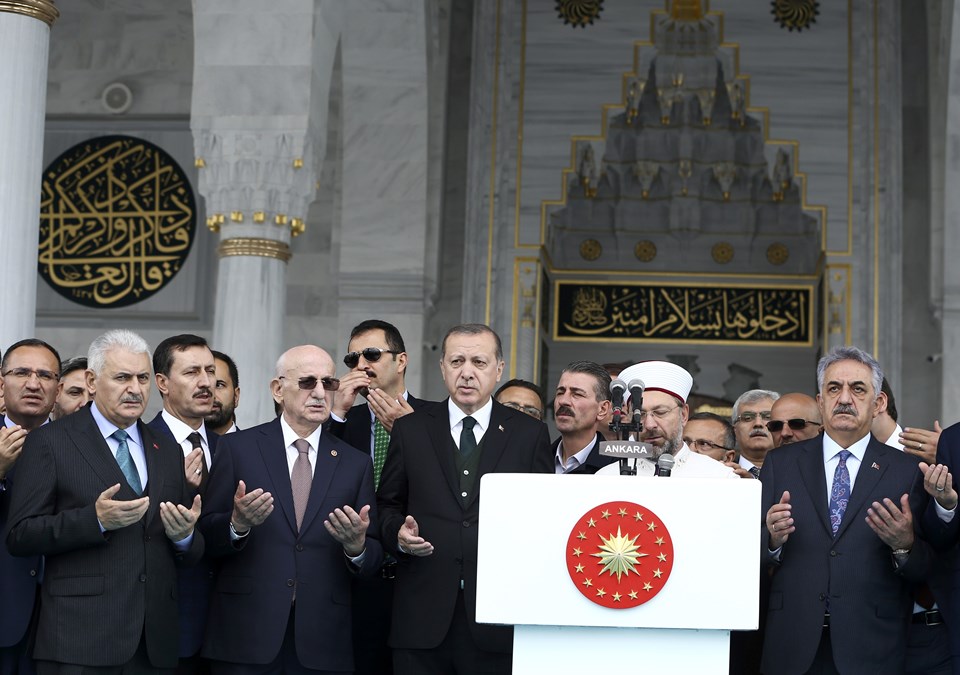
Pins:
<point x="24" y="44"/>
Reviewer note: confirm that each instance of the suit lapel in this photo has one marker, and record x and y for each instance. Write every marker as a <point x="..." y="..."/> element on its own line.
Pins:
<point x="151" y="452"/>
<point x="871" y="471"/>
<point x="328" y="458"/>
<point x="439" y="432"/>
<point x="94" y="449"/>
<point x="494" y="443"/>
<point x="810" y="464"/>
<point x="275" y="458"/>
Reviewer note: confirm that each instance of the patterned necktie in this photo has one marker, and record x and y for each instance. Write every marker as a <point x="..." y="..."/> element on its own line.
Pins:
<point x="755" y="472"/>
<point x="840" y="492"/>
<point x="125" y="461"/>
<point x="468" y="442"/>
<point x="381" y="442"/>
<point x="195" y="439"/>
<point x="301" y="479"/>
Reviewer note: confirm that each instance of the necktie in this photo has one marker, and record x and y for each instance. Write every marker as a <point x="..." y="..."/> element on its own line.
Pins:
<point x="195" y="439"/>
<point x="381" y="441"/>
<point x="301" y="479"/>
<point x="755" y="472"/>
<point x="468" y="442"/>
<point x="125" y="461"/>
<point x="840" y="492"/>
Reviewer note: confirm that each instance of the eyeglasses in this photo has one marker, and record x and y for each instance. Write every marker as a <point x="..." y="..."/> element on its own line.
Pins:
<point x="310" y="383"/>
<point x="751" y="416"/>
<point x="25" y="373"/>
<point x="703" y="444"/>
<point x="776" y="426"/>
<point x="370" y="354"/>
<point x="529" y="409"/>
<point x="657" y="413"/>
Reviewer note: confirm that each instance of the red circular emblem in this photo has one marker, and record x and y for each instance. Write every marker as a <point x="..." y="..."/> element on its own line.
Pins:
<point x="619" y="554"/>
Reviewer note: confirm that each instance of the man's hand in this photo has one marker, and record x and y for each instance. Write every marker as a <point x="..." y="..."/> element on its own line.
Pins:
<point x="193" y="468"/>
<point x="739" y="470"/>
<point x="938" y="482"/>
<point x="780" y="522"/>
<point x="349" y="528"/>
<point x="351" y="384"/>
<point x="179" y="521"/>
<point x="922" y="442"/>
<point x="11" y="443"/>
<point x="893" y="525"/>
<point x="409" y="540"/>
<point x="249" y="510"/>
<point x="114" y="514"/>
<point x="386" y="408"/>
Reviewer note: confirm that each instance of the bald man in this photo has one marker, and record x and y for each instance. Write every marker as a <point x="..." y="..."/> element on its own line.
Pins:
<point x="794" y="417"/>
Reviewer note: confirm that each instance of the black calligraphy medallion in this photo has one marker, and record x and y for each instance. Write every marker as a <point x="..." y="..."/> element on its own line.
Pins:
<point x="117" y="219"/>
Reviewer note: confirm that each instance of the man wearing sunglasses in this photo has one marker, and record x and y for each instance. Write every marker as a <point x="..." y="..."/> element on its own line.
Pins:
<point x="429" y="498"/>
<point x="751" y="412"/>
<point x="793" y="417"/>
<point x="292" y="519"/>
<point x="31" y="383"/>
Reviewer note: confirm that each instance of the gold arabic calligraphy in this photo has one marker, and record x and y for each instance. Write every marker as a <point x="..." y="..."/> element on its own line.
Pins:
<point x="680" y="312"/>
<point x="117" y="218"/>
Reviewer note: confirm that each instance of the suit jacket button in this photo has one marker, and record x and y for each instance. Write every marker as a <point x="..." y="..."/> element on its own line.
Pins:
<point x="147" y="538"/>
<point x="290" y="583"/>
<point x="33" y="573"/>
<point x="822" y="597"/>
<point x="466" y="523"/>
<point x="833" y="554"/>
<point x="143" y="577"/>
<point x="299" y="547"/>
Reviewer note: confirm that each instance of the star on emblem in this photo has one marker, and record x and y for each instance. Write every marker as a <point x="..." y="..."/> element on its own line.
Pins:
<point x="647" y="587"/>
<point x="633" y="595"/>
<point x="651" y="526"/>
<point x="616" y="597"/>
<point x="601" y="593"/>
<point x="622" y="512"/>
<point x="577" y="552"/>
<point x="659" y="541"/>
<point x="638" y="516"/>
<point x="581" y="536"/>
<point x="605" y="515"/>
<point x="662" y="557"/>
<point x="588" y="582"/>
<point x="579" y="569"/>
<point x="591" y="523"/>
<point x="657" y="573"/>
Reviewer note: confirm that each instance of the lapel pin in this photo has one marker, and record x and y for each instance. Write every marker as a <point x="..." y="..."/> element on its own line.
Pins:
<point x="500" y="426"/>
<point x="333" y="453"/>
<point x="874" y="466"/>
<point x="156" y="447"/>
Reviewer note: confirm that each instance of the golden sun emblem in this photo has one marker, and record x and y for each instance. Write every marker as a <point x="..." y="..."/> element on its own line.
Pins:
<point x="619" y="554"/>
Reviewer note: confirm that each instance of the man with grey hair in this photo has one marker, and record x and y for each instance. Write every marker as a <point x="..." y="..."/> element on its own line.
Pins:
<point x="104" y="499"/>
<point x="840" y="534"/>
<point x="581" y="404"/>
<point x="751" y="412"/>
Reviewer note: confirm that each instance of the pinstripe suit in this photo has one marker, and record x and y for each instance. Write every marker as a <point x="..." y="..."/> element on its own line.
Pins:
<point x="870" y="601"/>
<point x="102" y="591"/>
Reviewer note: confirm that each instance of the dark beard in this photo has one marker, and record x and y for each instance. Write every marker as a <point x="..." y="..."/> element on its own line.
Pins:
<point x="219" y="418"/>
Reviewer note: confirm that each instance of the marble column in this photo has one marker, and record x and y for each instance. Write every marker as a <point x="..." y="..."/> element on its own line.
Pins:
<point x="24" y="50"/>
<point x="261" y="82"/>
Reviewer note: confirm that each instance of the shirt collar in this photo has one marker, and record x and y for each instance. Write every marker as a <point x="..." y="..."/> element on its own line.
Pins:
<point x="107" y="427"/>
<point x="831" y="448"/>
<point x="289" y="435"/>
<point x="578" y="458"/>
<point x="7" y="422"/>
<point x="482" y="415"/>
<point x="181" y="430"/>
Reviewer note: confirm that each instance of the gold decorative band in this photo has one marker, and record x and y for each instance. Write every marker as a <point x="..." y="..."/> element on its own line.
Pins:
<point x="250" y="246"/>
<point x="45" y="10"/>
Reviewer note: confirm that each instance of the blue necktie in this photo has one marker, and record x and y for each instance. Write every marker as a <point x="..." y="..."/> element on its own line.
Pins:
<point x="125" y="461"/>
<point x="840" y="492"/>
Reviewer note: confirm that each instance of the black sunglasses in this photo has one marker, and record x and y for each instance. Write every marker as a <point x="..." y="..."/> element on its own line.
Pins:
<point x="310" y="383"/>
<point x="370" y="354"/>
<point x="776" y="426"/>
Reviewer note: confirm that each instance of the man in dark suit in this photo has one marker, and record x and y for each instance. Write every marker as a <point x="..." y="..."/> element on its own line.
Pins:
<point x="29" y="380"/>
<point x="367" y="426"/>
<point x="430" y="508"/>
<point x="104" y="499"/>
<point x="581" y="405"/>
<point x="281" y="602"/>
<point x="184" y="370"/>
<point x="840" y="533"/>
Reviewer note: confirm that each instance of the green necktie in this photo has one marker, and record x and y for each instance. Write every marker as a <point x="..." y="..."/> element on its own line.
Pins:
<point x="468" y="442"/>
<point x="125" y="461"/>
<point x="381" y="441"/>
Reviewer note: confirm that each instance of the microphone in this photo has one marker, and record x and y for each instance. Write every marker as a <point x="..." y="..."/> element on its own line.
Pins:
<point x="617" y="388"/>
<point x="665" y="464"/>
<point x="636" y="388"/>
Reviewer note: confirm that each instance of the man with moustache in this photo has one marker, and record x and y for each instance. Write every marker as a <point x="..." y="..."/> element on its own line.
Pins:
<point x="226" y="395"/>
<point x="29" y="380"/>
<point x="103" y="498"/>
<point x="663" y="414"/>
<point x="794" y="417"/>
<point x="281" y="603"/>
<point x="429" y="500"/>
<point x="523" y="396"/>
<point x="709" y="434"/>
<point x="581" y="404"/>
<point x="751" y="411"/>
<point x="73" y="388"/>
<point x="185" y="376"/>
<point x="380" y="379"/>
<point x="841" y="536"/>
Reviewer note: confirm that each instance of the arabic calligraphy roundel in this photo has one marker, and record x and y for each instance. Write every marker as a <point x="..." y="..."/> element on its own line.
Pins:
<point x="619" y="555"/>
<point x="117" y="218"/>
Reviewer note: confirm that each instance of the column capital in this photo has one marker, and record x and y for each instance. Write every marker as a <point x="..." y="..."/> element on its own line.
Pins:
<point x="45" y="10"/>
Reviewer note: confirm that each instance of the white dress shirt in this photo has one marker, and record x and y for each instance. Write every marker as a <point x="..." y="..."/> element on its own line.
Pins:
<point x="181" y="431"/>
<point x="482" y="416"/>
<point x="289" y="436"/>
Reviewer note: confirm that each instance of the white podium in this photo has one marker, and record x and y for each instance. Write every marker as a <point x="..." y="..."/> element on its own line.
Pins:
<point x="549" y="554"/>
